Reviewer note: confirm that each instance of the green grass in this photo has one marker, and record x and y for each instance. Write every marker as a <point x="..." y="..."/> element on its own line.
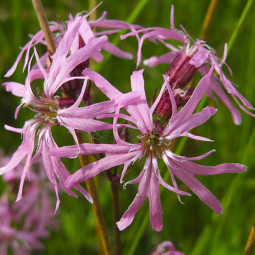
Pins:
<point x="192" y="227"/>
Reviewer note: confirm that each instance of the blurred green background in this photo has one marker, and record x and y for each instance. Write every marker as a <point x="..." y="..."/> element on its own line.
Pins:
<point x="192" y="227"/>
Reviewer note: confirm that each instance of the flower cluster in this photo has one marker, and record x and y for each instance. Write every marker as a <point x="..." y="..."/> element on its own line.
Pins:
<point x="171" y="115"/>
<point x="25" y="223"/>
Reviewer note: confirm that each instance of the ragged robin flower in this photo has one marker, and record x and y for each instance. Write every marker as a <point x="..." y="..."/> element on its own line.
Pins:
<point x="153" y="145"/>
<point x="51" y="110"/>
<point x="192" y="56"/>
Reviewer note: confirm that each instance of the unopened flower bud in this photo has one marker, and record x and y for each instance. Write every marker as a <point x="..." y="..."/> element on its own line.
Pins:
<point x="65" y="102"/>
<point x="180" y="73"/>
<point x="164" y="107"/>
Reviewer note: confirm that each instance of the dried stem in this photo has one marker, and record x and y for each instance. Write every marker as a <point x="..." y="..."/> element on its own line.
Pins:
<point x="251" y="241"/>
<point x="208" y="18"/>
<point x="39" y="10"/>
<point x="101" y="229"/>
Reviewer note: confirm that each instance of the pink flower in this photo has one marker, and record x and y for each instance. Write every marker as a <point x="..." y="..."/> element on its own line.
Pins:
<point x="49" y="111"/>
<point x="166" y="248"/>
<point x="83" y="36"/>
<point x="153" y="145"/>
<point x="185" y="61"/>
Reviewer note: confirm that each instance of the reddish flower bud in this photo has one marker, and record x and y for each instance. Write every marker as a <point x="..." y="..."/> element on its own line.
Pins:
<point x="164" y="107"/>
<point x="65" y="102"/>
<point x="180" y="72"/>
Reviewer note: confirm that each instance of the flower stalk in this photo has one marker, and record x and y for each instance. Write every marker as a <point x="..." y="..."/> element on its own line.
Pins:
<point x="251" y="242"/>
<point x="91" y="186"/>
<point x="39" y="10"/>
<point x="101" y="229"/>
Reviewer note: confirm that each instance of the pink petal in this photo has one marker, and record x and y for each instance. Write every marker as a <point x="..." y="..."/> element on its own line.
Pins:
<point x="84" y="124"/>
<point x="135" y="180"/>
<point x="90" y="111"/>
<point x="141" y="112"/>
<point x="154" y="105"/>
<point x="143" y="188"/>
<point x="25" y="149"/>
<point x="37" y="38"/>
<point x="90" y="148"/>
<point x="164" y="59"/>
<point x="232" y="90"/>
<point x="209" y="170"/>
<point x="95" y="168"/>
<point x="199" y="189"/>
<point x="49" y="169"/>
<point x="118" y="24"/>
<point x="164" y="184"/>
<point x="63" y="174"/>
<point x="116" y="51"/>
<point x="56" y="78"/>
<point x="190" y="106"/>
<point x="197" y="137"/>
<point x="200" y="57"/>
<point x="15" y="88"/>
<point x="155" y="204"/>
<point x="180" y="127"/>
<point x="109" y="90"/>
<point x="224" y="98"/>
<point x="85" y="31"/>
<point x="17" y="130"/>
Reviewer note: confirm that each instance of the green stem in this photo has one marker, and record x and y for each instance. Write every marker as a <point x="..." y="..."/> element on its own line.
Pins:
<point x="239" y="24"/>
<point x="103" y="237"/>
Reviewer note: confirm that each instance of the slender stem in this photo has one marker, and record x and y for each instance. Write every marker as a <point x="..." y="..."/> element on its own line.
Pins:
<point x="208" y="18"/>
<point x="92" y="5"/>
<point x="239" y="24"/>
<point x="101" y="229"/>
<point x="39" y="10"/>
<point x="251" y="241"/>
<point x="114" y="179"/>
<point x="91" y="186"/>
<point x="115" y="203"/>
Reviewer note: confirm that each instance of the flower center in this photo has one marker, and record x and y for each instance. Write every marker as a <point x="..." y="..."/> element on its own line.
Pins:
<point x="154" y="143"/>
<point x="46" y="110"/>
